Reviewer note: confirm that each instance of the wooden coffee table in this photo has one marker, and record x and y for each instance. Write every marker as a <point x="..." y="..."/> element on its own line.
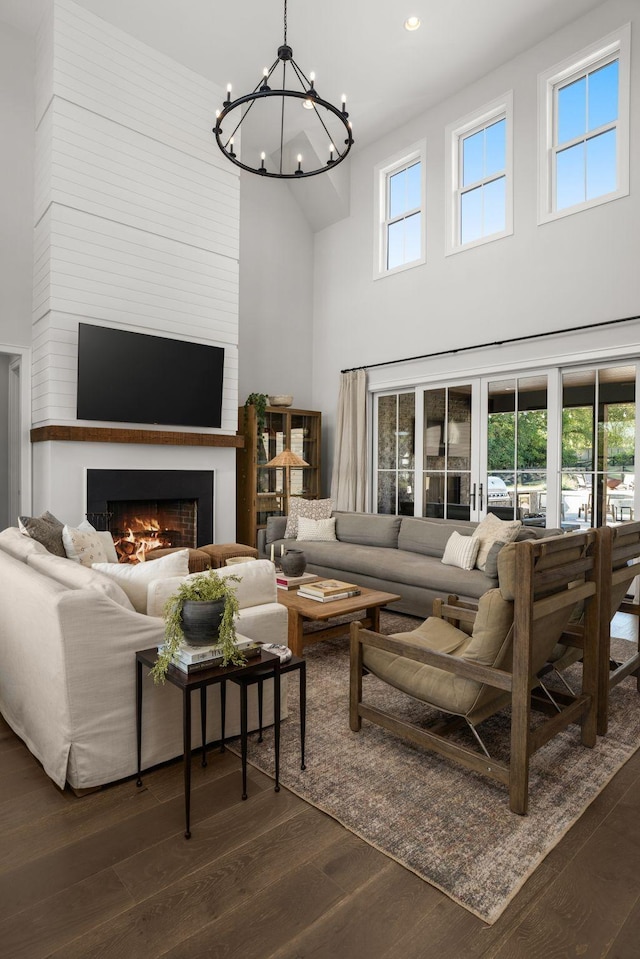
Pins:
<point x="303" y="611"/>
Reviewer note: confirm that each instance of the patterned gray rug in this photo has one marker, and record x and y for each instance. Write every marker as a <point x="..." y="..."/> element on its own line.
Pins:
<point x="450" y="826"/>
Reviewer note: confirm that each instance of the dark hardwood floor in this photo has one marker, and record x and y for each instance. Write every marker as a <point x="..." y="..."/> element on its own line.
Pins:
<point x="110" y="875"/>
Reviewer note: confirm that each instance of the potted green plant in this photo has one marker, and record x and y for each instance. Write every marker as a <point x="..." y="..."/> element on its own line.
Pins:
<point x="259" y="401"/>
<point x="218" y="594"/>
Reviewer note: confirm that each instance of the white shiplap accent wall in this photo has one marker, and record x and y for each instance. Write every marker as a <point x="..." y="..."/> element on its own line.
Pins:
<point x="136" y="213"/>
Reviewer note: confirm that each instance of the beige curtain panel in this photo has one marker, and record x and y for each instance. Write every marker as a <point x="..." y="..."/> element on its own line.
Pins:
<point x="349" y="479"/>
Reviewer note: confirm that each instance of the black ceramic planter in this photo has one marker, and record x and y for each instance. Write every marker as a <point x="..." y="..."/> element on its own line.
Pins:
<point x="201" y="621"/>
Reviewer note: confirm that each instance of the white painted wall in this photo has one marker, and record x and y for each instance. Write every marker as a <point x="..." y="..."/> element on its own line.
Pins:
<point x="16" y="184"/>
<point x="576" y="271"/>
<point x="276" y="292"/>
<point x="4" y="440"/>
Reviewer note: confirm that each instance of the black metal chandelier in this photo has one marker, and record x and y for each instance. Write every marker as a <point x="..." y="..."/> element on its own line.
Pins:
<point x="331" y="122"/>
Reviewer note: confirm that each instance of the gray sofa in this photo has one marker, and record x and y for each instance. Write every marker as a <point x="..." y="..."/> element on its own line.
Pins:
<point x="399" y="554"/>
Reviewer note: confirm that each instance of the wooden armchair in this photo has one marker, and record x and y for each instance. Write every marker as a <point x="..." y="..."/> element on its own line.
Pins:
<point x="471" y="677"/>
<point x="620" y="547"/>
<point x="619" y="551"/>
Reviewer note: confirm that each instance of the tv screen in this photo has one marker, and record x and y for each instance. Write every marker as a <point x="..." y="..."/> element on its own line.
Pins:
<point x="135" y="378"/>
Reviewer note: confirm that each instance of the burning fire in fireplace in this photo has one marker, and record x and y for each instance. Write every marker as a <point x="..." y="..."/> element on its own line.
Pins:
<point x="140" y="538"/>
<point x="140" y="526"/>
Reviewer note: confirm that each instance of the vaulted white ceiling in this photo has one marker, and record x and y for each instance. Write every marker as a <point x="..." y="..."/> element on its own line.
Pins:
<point x="359" y="47"/>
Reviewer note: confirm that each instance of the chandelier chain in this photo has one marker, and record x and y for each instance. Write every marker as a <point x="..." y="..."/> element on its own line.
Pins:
<point x="285" y="22"/>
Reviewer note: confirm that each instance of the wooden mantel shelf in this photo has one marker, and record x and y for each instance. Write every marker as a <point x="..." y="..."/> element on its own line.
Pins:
<point x="108" y="434"/>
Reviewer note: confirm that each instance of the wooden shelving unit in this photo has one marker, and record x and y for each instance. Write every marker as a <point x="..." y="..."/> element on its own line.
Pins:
<point x="264" y="491"/>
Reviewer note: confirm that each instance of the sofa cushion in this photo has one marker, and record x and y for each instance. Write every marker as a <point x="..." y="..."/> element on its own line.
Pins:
<point x="20" y="545"/>
<point x="460" y="551"/>
<point x="368" y="529"/>
<point x="276" y="526"/>
<point x="430" y="536"/>
<point x="45" y="529"/>
<point x="135" y="579"/>
<point x="311" y="508"/>
<point x="490" y="531"/>
<point x="83" y="544"/>
<point x="257" y="585"/>
<point x="76" y="576"/>
<point x="317" y="530"/>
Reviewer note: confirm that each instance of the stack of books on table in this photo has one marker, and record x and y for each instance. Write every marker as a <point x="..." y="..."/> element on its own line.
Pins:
<point x="292" y="582"/>
<point x="327" y="590"/>
<point x="191" y="658"/>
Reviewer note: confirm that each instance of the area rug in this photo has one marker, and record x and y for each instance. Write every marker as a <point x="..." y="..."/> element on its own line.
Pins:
<point x="450" y="826"/>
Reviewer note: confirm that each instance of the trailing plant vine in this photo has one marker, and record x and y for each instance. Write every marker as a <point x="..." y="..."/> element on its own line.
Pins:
<point x="259" y="401"/>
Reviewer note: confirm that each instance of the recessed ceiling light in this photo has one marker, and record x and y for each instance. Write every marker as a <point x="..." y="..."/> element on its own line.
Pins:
<point x="412" y="23"/>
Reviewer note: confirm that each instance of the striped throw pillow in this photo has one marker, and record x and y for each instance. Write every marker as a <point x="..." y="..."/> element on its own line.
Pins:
<point x="461" y="551"/>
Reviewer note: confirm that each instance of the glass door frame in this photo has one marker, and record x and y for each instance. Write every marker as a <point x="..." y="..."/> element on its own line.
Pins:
<point x="474" y="466"/>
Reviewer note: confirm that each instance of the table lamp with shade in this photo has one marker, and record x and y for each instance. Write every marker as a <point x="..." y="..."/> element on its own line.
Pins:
<point x="286" y="459"/>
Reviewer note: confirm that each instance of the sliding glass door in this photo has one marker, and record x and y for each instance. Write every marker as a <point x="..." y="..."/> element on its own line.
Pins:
<point x="598" y="446"/>
<point x="517" y="448"/>
<point x="552" y="448"/>
<point x="448" y="487"/>
<point x="395" y="445"/>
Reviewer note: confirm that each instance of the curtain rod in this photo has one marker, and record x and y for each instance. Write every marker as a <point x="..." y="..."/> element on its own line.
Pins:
<point x="482" y="346"/>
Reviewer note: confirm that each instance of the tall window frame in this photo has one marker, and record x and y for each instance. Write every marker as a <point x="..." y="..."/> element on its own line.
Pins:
<point x="615" y="46"/>
<point x="457" y="133"/>
<point x="385" y="219"/>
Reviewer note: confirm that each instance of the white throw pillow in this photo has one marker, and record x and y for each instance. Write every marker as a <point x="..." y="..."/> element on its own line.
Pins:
<point x="316" y="530"/>
<point x="83" y="545"/>
<point x="492" y="529"/>
<point x="311" y="508"/>
<point x="134" y="579"/>
<point x="461" y="551"/>
<point x="108" y="545"/>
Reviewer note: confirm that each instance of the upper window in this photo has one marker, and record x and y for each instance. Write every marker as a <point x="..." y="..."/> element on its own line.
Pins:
<point x="479" y="183"/>
<point x="400" y="185"/>
<point x="584" y="129"/>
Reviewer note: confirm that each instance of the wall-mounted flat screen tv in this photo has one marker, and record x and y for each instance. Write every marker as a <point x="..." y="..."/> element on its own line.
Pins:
<point x="128" y="377"/>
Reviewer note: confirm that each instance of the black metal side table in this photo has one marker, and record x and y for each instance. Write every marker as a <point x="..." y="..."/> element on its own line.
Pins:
<point x="201" y="679"/>
<point x="266" y="672"/>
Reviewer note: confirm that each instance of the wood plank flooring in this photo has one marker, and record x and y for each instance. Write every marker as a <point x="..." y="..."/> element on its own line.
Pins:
<point x="110" y="875"/>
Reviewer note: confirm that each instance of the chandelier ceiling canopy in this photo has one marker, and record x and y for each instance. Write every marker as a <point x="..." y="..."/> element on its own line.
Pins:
<point x="269" y="107"/>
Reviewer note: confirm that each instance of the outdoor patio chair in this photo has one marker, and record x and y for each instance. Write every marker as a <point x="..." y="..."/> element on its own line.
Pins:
<point x="471" y="677"/>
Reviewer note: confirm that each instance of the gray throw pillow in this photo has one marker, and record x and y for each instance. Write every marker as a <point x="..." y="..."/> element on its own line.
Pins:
<point x="45" y="529"/>
<point x="491" y="565"/>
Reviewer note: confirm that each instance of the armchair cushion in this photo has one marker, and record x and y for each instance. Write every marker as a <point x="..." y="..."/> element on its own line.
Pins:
<point x="491" y="630"/>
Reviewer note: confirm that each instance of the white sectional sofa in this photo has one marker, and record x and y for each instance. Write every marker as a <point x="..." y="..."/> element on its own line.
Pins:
<point x="68" y="635"/>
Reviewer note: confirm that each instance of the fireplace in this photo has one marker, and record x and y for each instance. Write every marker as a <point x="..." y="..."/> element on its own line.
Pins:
<point x="151" y="509"/>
